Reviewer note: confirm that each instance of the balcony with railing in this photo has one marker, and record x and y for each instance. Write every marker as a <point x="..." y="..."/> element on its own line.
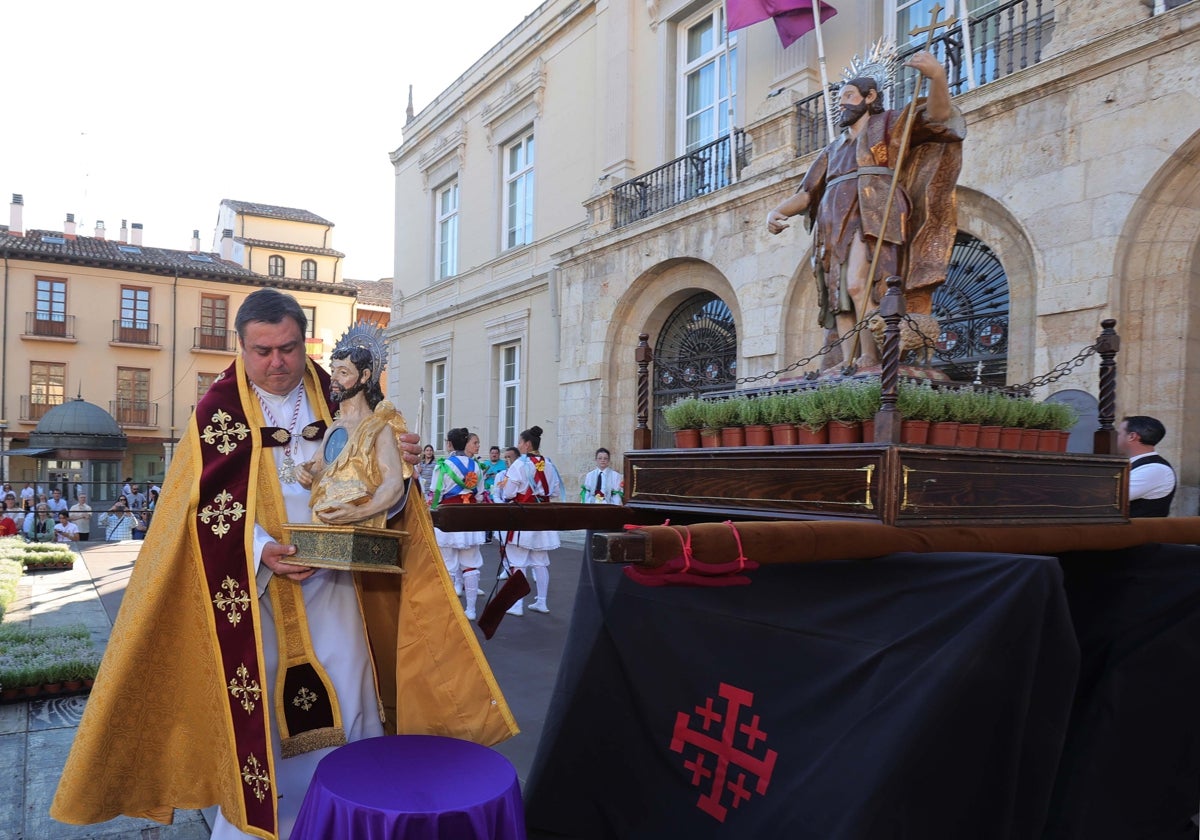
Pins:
<point x="214" y="339"/>
<point x="49" y="325"/>
<point x="133" y="331"/>
<point x="134" y="412"/>
<point x="35" y="406"/>
<point x="1003" y="40"/>
<point x="699" y="172"/>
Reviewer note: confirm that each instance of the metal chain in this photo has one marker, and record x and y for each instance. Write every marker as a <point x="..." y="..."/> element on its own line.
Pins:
<point x="1059" y="371"/>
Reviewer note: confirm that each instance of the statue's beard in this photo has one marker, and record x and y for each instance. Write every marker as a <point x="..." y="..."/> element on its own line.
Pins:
<point x="853" y="113"/>
<point x="339" y="394"/>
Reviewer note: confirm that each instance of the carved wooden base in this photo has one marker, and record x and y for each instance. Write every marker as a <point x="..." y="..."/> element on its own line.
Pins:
<point x="892" y="484"/>
<point x="348" y="547"/>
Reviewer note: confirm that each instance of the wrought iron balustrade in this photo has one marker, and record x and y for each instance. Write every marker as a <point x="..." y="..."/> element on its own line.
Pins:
<point x="134" y="412"/>
<point x="35" y="406"/>
<point x="699" y="172"/>
<point x="1004" y="40"/>
<point x="214" y="338"/>
<point x="134" y="331"/>
<point x="49" y="325"/>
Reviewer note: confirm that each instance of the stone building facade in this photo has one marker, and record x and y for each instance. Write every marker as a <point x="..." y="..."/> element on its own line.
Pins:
<point x="1079" y="200"/>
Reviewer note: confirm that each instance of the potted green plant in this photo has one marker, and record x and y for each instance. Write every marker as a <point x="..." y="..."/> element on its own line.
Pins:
<point x="753" y="412"/>
<point x="1062" y="418"/>
<point x="685" y="417"/>
<point x="710" y="429"/>
<point x="943" y="431"/>
<point x="810" y="417"/>
<point x="968" y="407"/>
<point x="727" y="416"/>
<point x="779" y="414"/>
<point x="842" y="407"/>
<point x="912" y="401"/>
<point x="992" y="422"/>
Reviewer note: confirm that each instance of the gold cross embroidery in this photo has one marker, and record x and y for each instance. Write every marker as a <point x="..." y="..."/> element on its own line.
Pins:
<point x="224" y="432"/>
<point x="304" y="699"/>
<point x="223" y="509"/>
<point x="254" y="775"/>
<point x="246" y="690"/>
<point x="237" y="597"/>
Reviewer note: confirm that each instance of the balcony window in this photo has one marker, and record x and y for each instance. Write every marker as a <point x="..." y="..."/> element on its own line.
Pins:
<point x="47" y="387"/>
<point x="214" y="322"/>
<point x="447" y="230"/>
<point x="135" y="316"/>
<point x="708" y="79"/>
<point x="50" y="307"/>
<point x="518" y="192"/>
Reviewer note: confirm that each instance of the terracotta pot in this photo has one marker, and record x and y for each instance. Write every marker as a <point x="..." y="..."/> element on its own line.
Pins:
<point x="1064" y="438"/>
<point x="733" y="436"/>
<point x="968" y="435"/>
<point x="710" y="438"/>
<point x="868" y="431"/>
<point x="30" y="690"/>
<point x="783" y="434"/>
<point x="687" y="439"/>
<point x="72" y="685"/>
<point x="758" y="435"/>
<point x="914" y="431"/>
<point x="943" y="433"/>
<point x="9" y="694"/>
<point x="989" y="437"/>
<point x="52" y="688"/>
<point x="1010" y="438"/>
<point x="840" y="432"/>
<point x="1029" y="440"/>
<point x="1047" y="440"/>
<point x="88" y="682"/>
<point x="811" y="437"/>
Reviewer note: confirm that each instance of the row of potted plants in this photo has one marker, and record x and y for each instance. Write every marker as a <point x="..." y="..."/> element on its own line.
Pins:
<point x="42" y="663"/>
<point x="37" y="556"/>
<point x="838" y="413"/>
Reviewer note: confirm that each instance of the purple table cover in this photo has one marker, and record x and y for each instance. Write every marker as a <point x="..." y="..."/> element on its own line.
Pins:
<point x="412" y="787"/>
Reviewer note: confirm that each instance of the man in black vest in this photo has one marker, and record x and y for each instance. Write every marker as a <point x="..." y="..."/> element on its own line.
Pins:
<point x="1151" y="479"/>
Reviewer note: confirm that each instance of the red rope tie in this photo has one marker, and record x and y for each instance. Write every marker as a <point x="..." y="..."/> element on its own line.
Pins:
<point x="741" y="558"/>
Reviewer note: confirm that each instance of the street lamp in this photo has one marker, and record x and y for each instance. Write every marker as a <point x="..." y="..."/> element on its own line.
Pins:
<point x="3" y="429"/>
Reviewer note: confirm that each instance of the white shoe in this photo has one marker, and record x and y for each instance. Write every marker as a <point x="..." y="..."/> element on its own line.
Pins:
<point x="458" y="587"/>
<point x="538" y="606"/>
<point x="516" y="609"/>
<point x="470" y="611"/>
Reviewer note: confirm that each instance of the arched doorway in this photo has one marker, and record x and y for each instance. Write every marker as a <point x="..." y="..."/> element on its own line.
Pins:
<point x="696" y="351"/>
<point x="972" y="312"/>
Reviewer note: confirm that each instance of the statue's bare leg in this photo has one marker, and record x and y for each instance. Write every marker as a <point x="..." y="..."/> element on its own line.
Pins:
<point x="858" y="264"/>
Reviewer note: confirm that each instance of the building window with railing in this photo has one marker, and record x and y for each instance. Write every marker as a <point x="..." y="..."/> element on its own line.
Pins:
<point x="135" y="315"/>
<point x="707" y="79"/>
<point x="50" y="307"/>
<point x="447" y="230"/>
<point x="510" y="393"/>
<point x="214" y="322"/>
<point x="518" y="192"/>
<point x="437" y="404"/>
<point x="47" y="387"/>
<point x="133" y="396"/>
<point x="275" y="266"/>
<point x="308" y="270"/>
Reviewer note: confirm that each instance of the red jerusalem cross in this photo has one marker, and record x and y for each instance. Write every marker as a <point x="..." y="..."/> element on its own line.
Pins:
<point x="718" y="739"/>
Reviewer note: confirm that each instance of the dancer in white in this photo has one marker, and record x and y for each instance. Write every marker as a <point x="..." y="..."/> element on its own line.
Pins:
<point x="531" y="479"/>
<point x="603" y="485"/>
<point x="457" y="480"/>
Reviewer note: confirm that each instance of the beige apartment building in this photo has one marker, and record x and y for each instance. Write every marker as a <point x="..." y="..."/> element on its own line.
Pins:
<point x="606" y="168"/>
<point x="140" y="333"/>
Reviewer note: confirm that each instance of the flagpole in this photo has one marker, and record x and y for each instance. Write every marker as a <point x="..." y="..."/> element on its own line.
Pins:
<point x="824" y="72"/>
<point x="733" y="161"/>
<point x="968" y="53"/>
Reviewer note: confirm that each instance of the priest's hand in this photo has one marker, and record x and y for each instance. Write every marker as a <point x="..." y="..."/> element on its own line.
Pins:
<point x="410" y="448"/>
<point x="275" y="556"/>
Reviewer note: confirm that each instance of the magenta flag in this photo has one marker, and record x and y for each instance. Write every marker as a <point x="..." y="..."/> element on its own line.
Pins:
<point x="793" y="18"/>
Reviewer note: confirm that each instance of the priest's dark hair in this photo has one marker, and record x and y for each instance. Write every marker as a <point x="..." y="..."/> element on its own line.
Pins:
<point x="533" y="436"/>
<point x="866" y="84"/>
<point x="269" y="306"/>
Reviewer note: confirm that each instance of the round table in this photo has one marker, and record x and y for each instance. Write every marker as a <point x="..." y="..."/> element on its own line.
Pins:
<point x="412" y="787"/>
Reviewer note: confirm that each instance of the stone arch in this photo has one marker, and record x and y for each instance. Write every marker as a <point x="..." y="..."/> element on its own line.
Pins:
<point x="1157" y="277"/>
<point x="644" y="308"/>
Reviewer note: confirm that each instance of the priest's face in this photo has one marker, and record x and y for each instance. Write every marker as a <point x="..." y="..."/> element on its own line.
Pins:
<point x="274" y="355"/>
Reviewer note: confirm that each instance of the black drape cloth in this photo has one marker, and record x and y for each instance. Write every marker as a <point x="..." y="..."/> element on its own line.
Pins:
<point x="915" y="696"/>
<point x="1131" y="766"/>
